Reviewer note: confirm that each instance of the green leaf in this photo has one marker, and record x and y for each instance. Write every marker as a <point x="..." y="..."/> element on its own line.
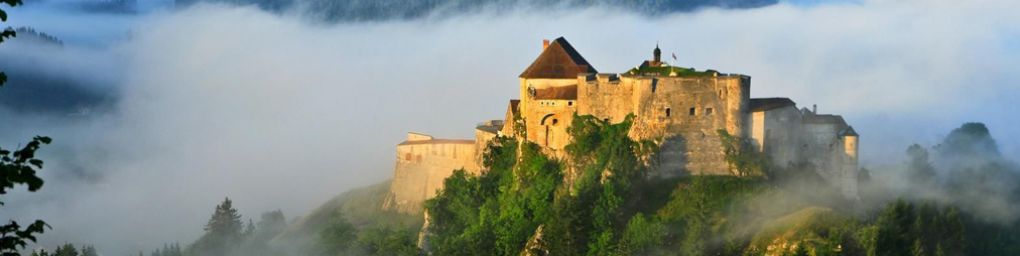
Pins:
<point x="3" y="15"/>
<point x="36" y="162"/>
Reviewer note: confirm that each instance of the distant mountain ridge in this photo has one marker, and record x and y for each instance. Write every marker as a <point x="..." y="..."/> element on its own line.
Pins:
<point x="375" y="10"/>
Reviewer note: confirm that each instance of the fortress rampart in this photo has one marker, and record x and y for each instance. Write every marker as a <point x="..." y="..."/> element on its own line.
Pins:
<point x="679" y="109"/>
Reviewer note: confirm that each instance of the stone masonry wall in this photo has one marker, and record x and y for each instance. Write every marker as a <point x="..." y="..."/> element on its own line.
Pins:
<point x="683" y="114"/>
<point x="421" y="168"/>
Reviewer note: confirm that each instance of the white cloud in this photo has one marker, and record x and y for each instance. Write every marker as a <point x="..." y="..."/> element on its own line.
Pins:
<point x="279" y="113"/>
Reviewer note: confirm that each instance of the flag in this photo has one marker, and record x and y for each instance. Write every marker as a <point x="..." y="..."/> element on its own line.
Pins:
<point x="674" y="56"/>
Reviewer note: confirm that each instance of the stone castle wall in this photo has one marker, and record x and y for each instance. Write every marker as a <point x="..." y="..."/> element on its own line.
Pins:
<point x="682" y="114"/>
<point x="422" y="165"/>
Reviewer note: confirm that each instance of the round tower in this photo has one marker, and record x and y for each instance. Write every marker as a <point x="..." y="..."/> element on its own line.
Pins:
<point x="850" y="163"/>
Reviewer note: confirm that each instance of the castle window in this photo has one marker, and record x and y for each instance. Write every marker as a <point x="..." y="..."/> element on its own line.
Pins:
<point x="555" y="121"/>
<point x="407" y="157"/>
<point x="570" y="103"/>
<point x="667" y="112"/>
<point x="708" y="111"/>
<point x="693" y="111"/>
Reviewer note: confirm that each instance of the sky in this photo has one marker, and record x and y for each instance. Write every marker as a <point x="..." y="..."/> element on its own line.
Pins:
<point x="278" y="112"/>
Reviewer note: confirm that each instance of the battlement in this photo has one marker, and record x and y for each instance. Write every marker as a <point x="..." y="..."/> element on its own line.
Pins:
<point x="680" y="109"/>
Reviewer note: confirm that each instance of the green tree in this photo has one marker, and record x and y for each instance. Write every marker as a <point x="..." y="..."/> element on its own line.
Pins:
<point x="336" y="238"/>
<point x="895" y="235"/>
<point x="642" y="235"/>
<point x="919" y="167"/>
<point x="801" y="250"/>
<point x="222" y="232"/>
<point x="741" y="155"/>
<point x="89" y="250"/>
<point x="18" y="168"/>
<point x="66" y="250"/>
<point x="270" y="224"/>
<point x="388" y="241"/>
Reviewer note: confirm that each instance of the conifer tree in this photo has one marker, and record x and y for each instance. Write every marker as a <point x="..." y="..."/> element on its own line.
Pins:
<point x="222" y="232"/>
<point x="66" y="250"/>
<point x="89" y="250"/>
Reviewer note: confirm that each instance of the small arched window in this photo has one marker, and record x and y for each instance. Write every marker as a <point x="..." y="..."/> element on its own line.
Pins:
<point x="668" y="112"/>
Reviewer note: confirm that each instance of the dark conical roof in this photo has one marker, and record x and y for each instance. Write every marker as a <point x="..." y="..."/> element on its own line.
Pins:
<point x="559" y="60"/>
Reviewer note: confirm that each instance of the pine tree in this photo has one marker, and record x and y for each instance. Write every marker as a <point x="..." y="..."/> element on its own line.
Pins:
<point x="66" y="250"/>
<point x="40" y="252"/>
<point x="222" y="232"/>
<point x="250" y="229"/>
<point x="89" y="250"/>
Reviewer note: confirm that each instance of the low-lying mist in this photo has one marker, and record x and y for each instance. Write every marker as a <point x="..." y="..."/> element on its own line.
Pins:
<point x="280" y="113"/>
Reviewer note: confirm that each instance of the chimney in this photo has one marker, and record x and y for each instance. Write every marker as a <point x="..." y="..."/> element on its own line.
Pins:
<point x="814" y="109"/>
<point x="545" y="43"/>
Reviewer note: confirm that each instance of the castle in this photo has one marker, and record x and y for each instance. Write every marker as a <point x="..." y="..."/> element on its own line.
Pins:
<point x="680" y="109"/>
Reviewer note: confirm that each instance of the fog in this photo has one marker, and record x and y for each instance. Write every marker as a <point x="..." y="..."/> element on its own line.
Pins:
<point x="277" y="112"/>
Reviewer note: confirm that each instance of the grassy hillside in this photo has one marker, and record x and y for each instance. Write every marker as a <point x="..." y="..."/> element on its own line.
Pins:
<point x="361" y="207"/>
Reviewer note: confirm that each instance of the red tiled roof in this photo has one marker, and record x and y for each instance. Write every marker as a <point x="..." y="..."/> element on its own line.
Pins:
<point x="559" y="60"/>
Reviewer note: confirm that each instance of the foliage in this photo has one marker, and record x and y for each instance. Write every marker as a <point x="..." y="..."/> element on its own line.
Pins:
<point x="741" y="155"/>
<point x="667" y="70"/>
<point x="168" y="250"/>
<point x="701" y="208"/>
<point x="222" y="232"/>
<point x="496" y="212"/>
<point x="642" y="235"/>
<point x="338" y="235"/>
<point x="18" y="168"/>
<point x="388" y="241"/>
<point x="905" y="228"/>
<point x="68" y="250"/>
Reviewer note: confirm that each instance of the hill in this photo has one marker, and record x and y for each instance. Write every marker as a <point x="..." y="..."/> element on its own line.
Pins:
<point x="361" y="207"/>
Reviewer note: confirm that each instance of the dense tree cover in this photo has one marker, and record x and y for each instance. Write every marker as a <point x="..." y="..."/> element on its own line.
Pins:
<point x="598" y="202"/>
<point x="340" y="237"/>
<point x="741" y="155"/>
<point x="605" y="207"/>
<point x="498" y="211"/>
<point x="168" y="250"/>
<point x="68" y="250"/>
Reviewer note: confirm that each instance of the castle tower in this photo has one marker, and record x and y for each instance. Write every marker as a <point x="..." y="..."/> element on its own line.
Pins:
<point x="549" y="93"/>
<point x="849" y="164"/>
